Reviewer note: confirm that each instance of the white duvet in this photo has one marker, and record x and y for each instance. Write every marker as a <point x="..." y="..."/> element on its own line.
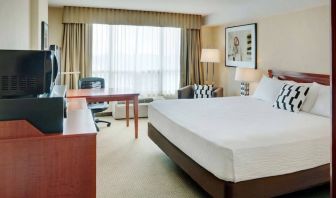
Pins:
<point x="242" y="138"/>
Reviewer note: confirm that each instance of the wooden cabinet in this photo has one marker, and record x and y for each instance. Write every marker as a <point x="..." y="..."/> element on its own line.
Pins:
<point x="33" y="164"/>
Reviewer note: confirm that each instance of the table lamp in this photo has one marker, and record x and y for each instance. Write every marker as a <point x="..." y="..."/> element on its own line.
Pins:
<point x="210" y="56"/>
<point x="246" y="76"/>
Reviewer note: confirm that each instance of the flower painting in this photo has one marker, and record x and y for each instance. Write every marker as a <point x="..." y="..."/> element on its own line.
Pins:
<point x="241" y="46"/>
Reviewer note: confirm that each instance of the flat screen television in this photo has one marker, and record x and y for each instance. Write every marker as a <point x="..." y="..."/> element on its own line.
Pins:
<point x="26" y="73"/>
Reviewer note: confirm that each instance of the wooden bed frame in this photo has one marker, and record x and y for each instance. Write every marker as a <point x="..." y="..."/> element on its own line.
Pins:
<point x="263" y="187"/>
<point x="300" y="77"/>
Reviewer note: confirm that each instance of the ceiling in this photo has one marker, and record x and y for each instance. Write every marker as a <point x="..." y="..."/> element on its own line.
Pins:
<point x="220" y="11"/>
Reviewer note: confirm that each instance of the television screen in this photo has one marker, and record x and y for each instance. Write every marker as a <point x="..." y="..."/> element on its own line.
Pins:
<point x="25" y="73"/>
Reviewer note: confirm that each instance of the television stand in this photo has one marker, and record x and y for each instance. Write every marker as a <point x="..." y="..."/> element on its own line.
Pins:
<point x="34" y="164"/>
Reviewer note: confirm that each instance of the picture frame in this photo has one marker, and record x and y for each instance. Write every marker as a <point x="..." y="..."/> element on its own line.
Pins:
<point x="44" y="36"/>
<point x="241" y="46"/>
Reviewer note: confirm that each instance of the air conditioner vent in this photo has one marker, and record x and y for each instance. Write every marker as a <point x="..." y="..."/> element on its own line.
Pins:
<point x="14" y="83"/>
<point x="23" y="82"/>
<point x="4" y="83"/>
<point x="32" y="83"/>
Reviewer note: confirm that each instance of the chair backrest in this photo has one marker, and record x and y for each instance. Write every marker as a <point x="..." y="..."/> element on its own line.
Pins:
<point x="91" y="83"/>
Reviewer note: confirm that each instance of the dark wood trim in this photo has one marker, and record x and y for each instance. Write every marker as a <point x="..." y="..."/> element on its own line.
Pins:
<point x="300" y="77"/>
<point x="333" y="80"/>
<point x="136" y="115"/>
<point x="263" y="187"/>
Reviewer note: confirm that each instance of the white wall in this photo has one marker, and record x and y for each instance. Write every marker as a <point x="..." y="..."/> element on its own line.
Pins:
<point x="39" y="13"/>
<point x="55" y="25"/>
<point x="20" y="23"/>
<point x="299" y="41"/>
<point x="15" y="24"/>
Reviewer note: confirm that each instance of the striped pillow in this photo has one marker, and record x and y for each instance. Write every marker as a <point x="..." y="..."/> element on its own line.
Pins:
<point x="203" y="91"/>
<point x="291" y="97"/>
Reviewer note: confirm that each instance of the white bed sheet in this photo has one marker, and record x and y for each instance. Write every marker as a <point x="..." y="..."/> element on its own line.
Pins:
<point x="243" y="138"/>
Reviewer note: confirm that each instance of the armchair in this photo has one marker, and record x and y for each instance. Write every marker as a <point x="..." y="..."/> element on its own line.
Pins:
<point x="187" y="92"/>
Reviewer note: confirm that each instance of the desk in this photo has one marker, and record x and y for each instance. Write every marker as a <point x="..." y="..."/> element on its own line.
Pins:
<point x="34" y="164"/>
<point x="108" y="95"/>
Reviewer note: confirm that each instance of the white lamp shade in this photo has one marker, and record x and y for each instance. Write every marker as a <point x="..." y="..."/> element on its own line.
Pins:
<point x="247" y="75"/>
<point x="210" y="56"/>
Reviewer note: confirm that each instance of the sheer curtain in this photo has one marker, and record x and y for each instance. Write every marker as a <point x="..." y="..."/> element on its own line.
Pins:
<point x="139" y="59"/>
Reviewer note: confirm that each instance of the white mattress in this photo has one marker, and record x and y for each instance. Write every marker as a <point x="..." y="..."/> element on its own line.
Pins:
<point x="242" y="138"/>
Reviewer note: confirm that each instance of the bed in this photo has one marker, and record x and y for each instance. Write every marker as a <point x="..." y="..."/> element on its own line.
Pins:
<point x="252" y="162"/>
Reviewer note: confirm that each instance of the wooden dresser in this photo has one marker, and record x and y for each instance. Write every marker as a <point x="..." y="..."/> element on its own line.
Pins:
<point x="33" y="164"/>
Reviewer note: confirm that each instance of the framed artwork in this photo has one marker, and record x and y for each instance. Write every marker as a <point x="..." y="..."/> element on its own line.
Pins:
<point x="44" y="36"/>
<point x="241" y="46"/>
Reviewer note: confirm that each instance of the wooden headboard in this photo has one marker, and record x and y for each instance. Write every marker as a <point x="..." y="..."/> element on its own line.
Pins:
<point x="323" y="79"/>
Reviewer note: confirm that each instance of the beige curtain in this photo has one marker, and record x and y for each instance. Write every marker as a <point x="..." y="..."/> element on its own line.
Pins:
<point x="191" y="68"/>
<point x="130" y="17"/>
<point x="76" y="53"/>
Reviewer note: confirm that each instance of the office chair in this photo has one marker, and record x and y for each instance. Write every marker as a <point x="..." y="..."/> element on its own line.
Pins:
<point x="95" y="83"/>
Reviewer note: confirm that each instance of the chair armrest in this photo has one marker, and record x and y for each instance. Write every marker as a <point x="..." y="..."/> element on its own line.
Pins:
<point x="218" y="92"/>
<point x="185" y="92"/>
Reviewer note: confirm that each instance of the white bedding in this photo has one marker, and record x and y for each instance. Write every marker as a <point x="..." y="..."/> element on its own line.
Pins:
<point x="243" y="138"/>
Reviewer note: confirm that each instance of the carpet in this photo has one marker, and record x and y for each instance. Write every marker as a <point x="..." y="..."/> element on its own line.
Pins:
<point x="138" y="168"/>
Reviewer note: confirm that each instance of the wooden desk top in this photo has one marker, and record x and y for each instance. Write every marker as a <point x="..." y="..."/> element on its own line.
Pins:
<point x="108" y="95"/>
<point x="79" y="118"/>
<point x="76" y="104"/>
<point x="85" y="93"/>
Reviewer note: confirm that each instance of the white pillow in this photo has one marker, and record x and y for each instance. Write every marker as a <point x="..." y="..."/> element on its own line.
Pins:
<point x="311" y="97"/>
<point x="268" y="89"/>
<point x="322" y="104"/>
<point x="291" y="97"/>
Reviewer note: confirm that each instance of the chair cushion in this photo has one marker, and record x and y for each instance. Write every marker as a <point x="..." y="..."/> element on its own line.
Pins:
<point x="203" y="91"/>
<point x="91" y="83"/>
<point x="98" y="107"/>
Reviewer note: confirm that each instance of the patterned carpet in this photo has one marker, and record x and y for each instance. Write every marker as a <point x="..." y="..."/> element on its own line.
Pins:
<point x="138" y="168"/>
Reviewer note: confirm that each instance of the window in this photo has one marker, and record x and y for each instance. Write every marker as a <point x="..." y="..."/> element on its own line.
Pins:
<point x="137" y="58"/>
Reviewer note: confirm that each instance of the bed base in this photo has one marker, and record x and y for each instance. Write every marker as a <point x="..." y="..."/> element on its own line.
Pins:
<point x="263" y="187"/>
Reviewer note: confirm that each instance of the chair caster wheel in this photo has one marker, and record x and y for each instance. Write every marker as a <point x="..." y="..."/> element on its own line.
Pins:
<point x="109" y="124"/>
